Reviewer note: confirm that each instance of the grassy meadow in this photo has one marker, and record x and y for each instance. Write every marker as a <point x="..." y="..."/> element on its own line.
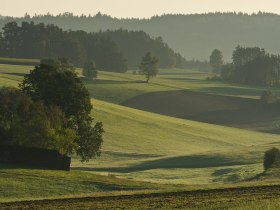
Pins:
<point x="18" y="184"/>
<point x="18" y="61"/>
<point x="148" y="151"/>
<point x="117" y="87"/>
<point x="163" y="149"/>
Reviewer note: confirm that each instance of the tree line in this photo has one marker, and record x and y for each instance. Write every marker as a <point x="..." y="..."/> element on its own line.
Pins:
<point x="111" y="50"/>
<point x="134" y="44"/>
<point x="250" y="65"/>
<point x="193" y="35"/>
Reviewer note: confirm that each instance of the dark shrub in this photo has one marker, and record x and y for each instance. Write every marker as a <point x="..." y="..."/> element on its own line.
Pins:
<point x="272" y="158"/>
<point x="268" y="97"/>
<point x="34" y="157"/>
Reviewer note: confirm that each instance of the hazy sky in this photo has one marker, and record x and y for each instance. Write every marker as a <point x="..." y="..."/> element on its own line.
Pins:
<point x="134" y="8"/>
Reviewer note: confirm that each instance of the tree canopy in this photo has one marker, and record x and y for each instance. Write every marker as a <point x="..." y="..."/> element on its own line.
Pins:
<point x="134" y="44"/>
<point x="149" y="66"/>
<point x="29" y="40"/>
<point x="90" y="70"/>
<point x="193" y="35"/>
<point x="24" y="122"/>
<point x="55" y="86"/>
<point x="216" y="60"/>
<point x="252" y="65"/>
<point x="111" y="50"/>
<point x="271" y="158"/>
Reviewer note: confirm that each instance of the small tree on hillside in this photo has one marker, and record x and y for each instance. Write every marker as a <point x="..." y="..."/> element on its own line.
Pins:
<point x="216" y="60"/>
<point x="90" y="70"/>
<point x="149" y="65"/>
<point x="271" y="158"/>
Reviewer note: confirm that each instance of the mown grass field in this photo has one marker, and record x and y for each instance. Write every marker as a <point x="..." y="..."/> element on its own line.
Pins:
<point x="145" y="147"/>
<point x="18" y="61"/>
<point x="118" y="88"/>
<point x="17" y="183"/>
<point x="163" y="149"/>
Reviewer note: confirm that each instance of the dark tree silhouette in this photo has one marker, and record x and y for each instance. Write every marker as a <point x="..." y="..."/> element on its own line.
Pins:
<point x="49" y="41"/>
<point x="149" y="66"/>
<point x="271" y="158"/>
<point x="24" y="122"/>
<point x="253" y="66"/>
<point x="111" y="50"/>
<point x="90" y="70"/>
<point x="64" y="89"/>
<point x="216" y="60"/>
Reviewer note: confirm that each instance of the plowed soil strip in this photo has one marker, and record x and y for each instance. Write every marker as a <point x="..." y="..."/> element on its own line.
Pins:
<point x="186" y="199"/>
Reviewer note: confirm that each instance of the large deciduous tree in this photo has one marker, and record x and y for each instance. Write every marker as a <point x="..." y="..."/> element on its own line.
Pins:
<point x="24" y="122"/>
<point x="63" y="88"/>
<point x="149" y="66"/>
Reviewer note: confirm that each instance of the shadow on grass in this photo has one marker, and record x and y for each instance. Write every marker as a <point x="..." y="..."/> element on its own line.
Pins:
<point x="102" y="81"/>
<point x="15" y="166"/>
<point x="182" y="162"/>
<point x="250" y="91"/>
<point x="130" y="155"/>
<point x="273" y="131"/>
<point x="102" y="186"/>
<point x="188" y="79"/>
<point x="222" y="171"/>
<point x="16" y="74"/>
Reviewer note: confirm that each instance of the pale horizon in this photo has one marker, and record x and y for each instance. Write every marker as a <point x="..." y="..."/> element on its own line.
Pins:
<point x="136" y="9"/>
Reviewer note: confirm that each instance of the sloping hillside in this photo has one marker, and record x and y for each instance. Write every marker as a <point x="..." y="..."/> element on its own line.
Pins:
<point x="215" y="109"/>
<point x="145" y="146"/>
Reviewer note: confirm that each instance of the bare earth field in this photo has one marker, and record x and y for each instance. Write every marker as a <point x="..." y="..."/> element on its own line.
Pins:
<point x="210" y="108"/>
<point x="238" y="198"/>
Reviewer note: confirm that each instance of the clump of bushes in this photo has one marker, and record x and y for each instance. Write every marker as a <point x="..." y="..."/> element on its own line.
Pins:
<point x="272" y="159"/>
<point x="214" y="78"/>
<point x="90" y="70"/>
<point x="268" y="97"/>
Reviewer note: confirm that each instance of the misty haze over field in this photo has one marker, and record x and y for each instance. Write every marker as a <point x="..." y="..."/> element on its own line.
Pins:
<point x="194" y="36"/>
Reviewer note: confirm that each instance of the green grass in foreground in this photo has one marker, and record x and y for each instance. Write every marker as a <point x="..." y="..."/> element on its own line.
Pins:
<point x="30" y="184"/>
<point x="264" y="197"/>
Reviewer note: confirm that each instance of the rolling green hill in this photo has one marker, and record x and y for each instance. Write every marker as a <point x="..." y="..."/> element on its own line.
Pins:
<point x="144" y="146"/>
<point x="17" y="183"/>
<point x="231" y="111"/>
<point x="120" y="87"/>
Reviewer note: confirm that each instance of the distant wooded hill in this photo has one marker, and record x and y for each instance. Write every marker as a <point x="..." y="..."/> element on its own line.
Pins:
<point x="194" y="36"/>
<point x="111" y="50"/>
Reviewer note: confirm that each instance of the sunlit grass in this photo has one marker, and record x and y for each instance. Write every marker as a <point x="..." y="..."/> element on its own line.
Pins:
<point x="142" y="146"/>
